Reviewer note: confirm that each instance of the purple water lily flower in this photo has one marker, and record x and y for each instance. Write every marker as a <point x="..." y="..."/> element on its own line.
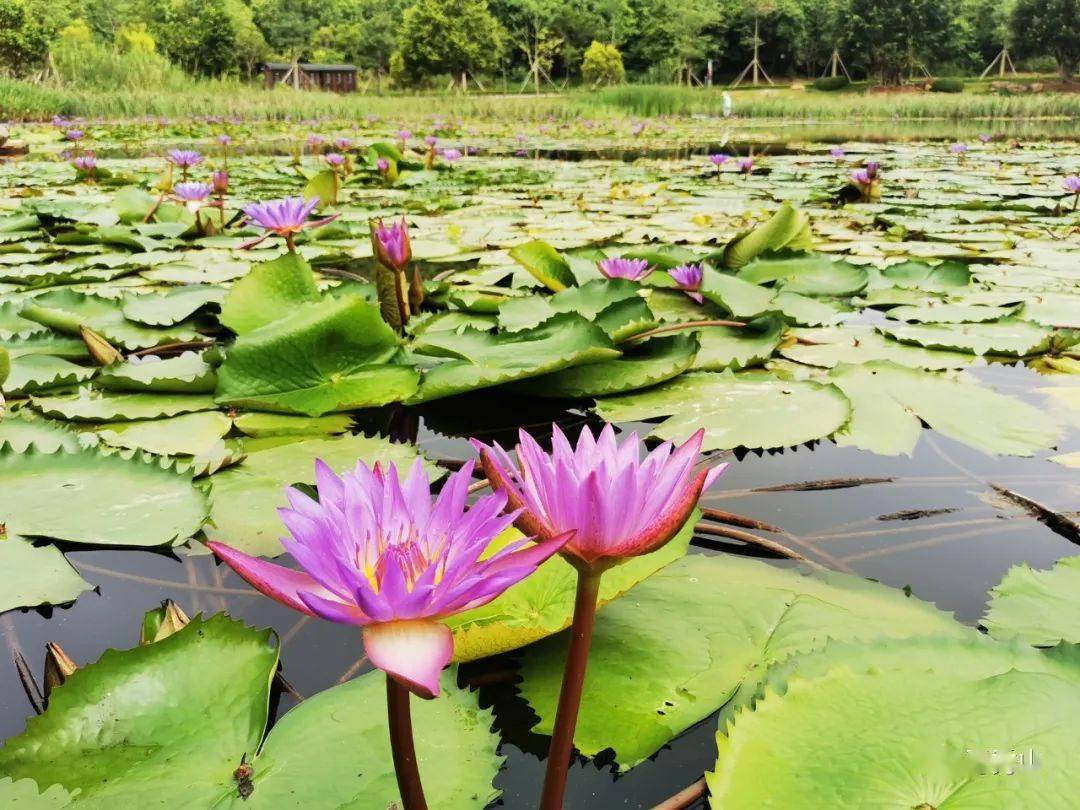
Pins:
<point x="985" y="137"/>
<point x="286" y="218"/>
<point x="184" y="158"/>
<point x="335" y="160"/>
<point x="632" y="269"/>
<point x="959" y="149"/>
<point x="617" y="503"/>
<point x="344" y="144"/>
<point x="861" y="177"/>
<point x="393" y="247"/>
<point x="1071" y="184"/>
<point x="719" y="160"/>
<point x="381" y="553"/>
<point x="74" y="135"/>
<point x="637" y="128"/>
<point x="837" y="152"/>
<point x="315" y="140"/>
<point x="382" y="164"/>
<point x="224" y="139"/>
<point x="431" y="140"/>
<point x="746" y="165"/>
<point x="403" y="135"/>
<point x="451" y="156"/>
<point x="192" y="192"/>
<point x="688" y="278"/>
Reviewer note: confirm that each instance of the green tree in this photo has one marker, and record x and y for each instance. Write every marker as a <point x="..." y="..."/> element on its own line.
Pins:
<point x="450" y="36"/>
<point x="361" y="32"/>
<point x="602" y="65"/>
<point x="27" y="29"/>
<point x="289" y="26"/>
<point x="888" y="37"/>
<point x="1048" y="27"/>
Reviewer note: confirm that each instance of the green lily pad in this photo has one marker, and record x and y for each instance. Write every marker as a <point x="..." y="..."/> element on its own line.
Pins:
<point x="739" y="297"/>
<point x="595" y="300"/>
<point x="545" y="264"/>
<point x="945" y="312"/>
<point x="96" y="406"/>
<point x="171" y="307"/>
<point x="247" y="495"/>
<point x="483" y="360"/>
<point x="948" y="276"/>
<point x="21" y="430"/>
<point x="853" y="736"/>
<point x="736" y="348"/>
<point x="649" y="363"/>
<point x="35" y="372"/>
<point x="187" y="373"/>
<point x="66" y="310"/>
<point x="336" y="355"/>
<point x="35" y="575"/>
<point x="888" y="401"/>
<point x="809" y="274"/>
<point x="190" y="434"/>
<point x="107" y="500"/>
<point x="1037" y="607"/>
<point x="656" y="667"/>
<point x="270" y="291"/>
<point x="832" y="346"/>
<point x="1008" y="337"/>
<point x="260" y="425"/>
<point x="753" y="410"/>
<point x="786" y="229"/>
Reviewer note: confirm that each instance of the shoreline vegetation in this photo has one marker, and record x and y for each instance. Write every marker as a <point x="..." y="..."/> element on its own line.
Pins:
<point x="24" y="101"/>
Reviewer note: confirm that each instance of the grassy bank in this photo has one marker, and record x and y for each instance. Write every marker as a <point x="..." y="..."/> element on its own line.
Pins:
<point x="23" y="101"/>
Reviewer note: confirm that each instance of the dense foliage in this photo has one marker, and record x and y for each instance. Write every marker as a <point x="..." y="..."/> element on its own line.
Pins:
<point x="425" y="41"/>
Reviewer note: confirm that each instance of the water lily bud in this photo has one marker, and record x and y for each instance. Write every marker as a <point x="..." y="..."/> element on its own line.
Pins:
<point x="162" y="623"/>
<point x="100" y="349"/>
<point x="58" y="667"/>
<point x="391" y="244"/>
<point x="220" y="182"/>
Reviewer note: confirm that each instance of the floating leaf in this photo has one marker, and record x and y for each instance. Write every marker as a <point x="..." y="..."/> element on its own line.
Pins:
<point x="736" y="348"/>
<point x="332" y="356"/>
<point x="107" y="499"/>
<point x="277" y="424"/>
<point x="656" y="667"/>
<point x="95" y="406"/>
<point x="190" y="434"/>
<point x="1037" y="607"/>
<point x="187" y="373"/>
<point x="270" y="291"/>
<point x="35" y="372"/>
<point x="833" y="346"/>
<point x="753" y="410"/>
<point x="888" y="401"/>
<point x="809" y="274"/>
<point x="787" y="228"/>
<point x="1008" y="337"/>
<point x="545" y="264"/>
<point x="858" y="735"/>
<point x="35" y="575"/>
<point x="173" y="306"/>
<point x="944" y="312"/>
<point x="485" y="360"/>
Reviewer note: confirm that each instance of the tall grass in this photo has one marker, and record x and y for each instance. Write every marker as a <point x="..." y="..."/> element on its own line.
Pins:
<point x="654" y="100"/>
<point x="173" y="97"/>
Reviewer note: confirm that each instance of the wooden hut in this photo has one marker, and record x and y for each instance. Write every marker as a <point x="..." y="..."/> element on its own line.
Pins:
<point x="311" y="76"/>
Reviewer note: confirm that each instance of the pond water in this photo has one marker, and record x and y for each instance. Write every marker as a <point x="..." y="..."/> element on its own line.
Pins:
<point x="931" y="522"/>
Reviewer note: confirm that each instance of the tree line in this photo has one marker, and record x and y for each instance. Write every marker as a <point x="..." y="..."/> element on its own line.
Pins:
<point x="541" y="41"/>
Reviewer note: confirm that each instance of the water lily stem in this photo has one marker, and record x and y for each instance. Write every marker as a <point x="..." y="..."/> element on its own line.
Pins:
<point x="679" y="327"/>
<point x="562" y="739"/>
<point x="401" y="745"/>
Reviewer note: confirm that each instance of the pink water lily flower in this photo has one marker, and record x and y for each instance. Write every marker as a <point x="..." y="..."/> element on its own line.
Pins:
<point x="451" y="156"/>
<point x="837" y="152"/>
<point x="861" y="177"/>
<point x="1071" y="184"/>
<point x="220" y="182"/>
<point x="688" y="277"/>
<point x="85" y="164"/>
<point x="286" y="218"/>
<point x="632" y="269"/>
<point x="746" y="165"/>
<point x="74" y="135"/>
<point x="335" y="160"/>
<point x="381" y="553"/>
<point x="719" y="160"/>
<point x="382" y="165"/>
<point x="618" y="504"/>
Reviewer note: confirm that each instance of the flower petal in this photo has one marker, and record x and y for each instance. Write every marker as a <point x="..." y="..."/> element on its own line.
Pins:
<point x="413" y="652"/>
<point x="276" y="581"/>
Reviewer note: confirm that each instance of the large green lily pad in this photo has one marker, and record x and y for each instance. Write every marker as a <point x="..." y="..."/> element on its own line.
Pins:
<point x="1037" y="607"/>
<point x="103" y="499"/>
<point x="679" y="645"/>
<point x="35" y="575"/>
<point x="752" y="410"/>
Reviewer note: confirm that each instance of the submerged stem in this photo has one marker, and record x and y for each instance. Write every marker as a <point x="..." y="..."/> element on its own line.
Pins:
<point x="401" y="746"/>
<point x="562" y="738"/>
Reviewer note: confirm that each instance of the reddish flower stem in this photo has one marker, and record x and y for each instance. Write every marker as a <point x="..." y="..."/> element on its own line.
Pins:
<point x="562" y="738"/>
<point x="402" y="748"/>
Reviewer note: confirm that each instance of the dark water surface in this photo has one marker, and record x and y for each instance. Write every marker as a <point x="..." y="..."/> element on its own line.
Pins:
<point x="951" y="558"/>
